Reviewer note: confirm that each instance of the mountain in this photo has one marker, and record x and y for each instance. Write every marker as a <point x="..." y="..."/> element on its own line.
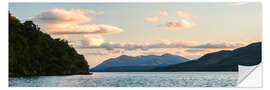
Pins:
<point x="34" y="53"/>
<point x="126" y="63"/>
<point x="221" y="61"/>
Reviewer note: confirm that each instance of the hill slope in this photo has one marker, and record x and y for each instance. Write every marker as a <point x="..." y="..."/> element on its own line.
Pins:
<point x="32" y="52"/>
<point x="221" y="61"/>
<point x="126" y="63"/>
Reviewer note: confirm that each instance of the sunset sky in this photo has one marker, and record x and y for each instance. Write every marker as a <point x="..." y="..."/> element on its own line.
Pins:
<point x="106" y="30"/>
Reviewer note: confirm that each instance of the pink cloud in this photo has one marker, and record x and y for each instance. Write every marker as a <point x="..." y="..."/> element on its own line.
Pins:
<point x="93" y="40"/>
<point x="177" y="43"/>
<point x="179" y="24"/>
<point x="166" y="44"/>
<point x="60" y="16"/>
<point x="84" y="29"/>
<point x="185" y="15"/>
<point x="163" y="13"/>
<point x="87" y="11"/>
<point x="152" y="19"/>
<point x="238" y="3"/>
<point x="61" y="21"/>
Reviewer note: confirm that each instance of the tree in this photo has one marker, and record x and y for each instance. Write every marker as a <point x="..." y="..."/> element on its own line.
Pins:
<point x="32" y="52"/>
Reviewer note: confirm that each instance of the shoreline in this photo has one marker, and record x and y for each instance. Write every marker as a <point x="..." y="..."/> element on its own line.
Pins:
<point x="13" y="76"/>
<point x="166" y="71"/>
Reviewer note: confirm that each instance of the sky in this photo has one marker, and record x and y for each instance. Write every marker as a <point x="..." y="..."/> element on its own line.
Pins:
<point x="101" y="31"/>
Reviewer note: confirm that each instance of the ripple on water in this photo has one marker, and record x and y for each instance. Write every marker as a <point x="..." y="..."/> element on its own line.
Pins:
<point x="131" y="79"/>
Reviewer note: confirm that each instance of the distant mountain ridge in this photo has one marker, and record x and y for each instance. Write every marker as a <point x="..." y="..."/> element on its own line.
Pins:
<point x="126" y="63"/>
<point x="220" y="61"/>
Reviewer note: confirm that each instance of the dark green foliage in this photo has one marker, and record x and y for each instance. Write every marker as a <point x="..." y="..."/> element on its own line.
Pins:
<point x="221" y="61"/>
<point x="32" y="52"/>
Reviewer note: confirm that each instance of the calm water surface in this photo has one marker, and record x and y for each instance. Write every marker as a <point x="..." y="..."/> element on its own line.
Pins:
<point x="131" y="79"/>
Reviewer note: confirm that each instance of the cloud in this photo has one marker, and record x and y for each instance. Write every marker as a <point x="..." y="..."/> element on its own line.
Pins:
<point x="60" y="16"/>
<point x="238" y="3"/>
<point x="163" y="13"/>
<point x="201" y="50"/>
<point x="93" y="40"/>
<point x="190" y="44"/>
<point x="195" y="50"/>
<point x="95" y="53"/>
<point x="85" y="11"/>
<point x="85" y="29"/>
<point x="152" y="19"/>
<point x="125" y="45"/>
<point x="185" y="15"/>
<point x="165" y="44"/>
<point x="179" y="24"/>
<point x="61" y="21"/>
<point x="175" y="44"/>
<point x="221" y="45"/>
<point x="66" y="16"/>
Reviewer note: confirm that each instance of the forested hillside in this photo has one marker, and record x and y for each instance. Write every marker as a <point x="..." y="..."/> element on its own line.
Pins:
<point x="32" y="52"/>
<point x="222" y="60"/>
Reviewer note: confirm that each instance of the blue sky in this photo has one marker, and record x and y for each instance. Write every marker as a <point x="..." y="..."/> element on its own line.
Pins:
<point x="213" y="22"/>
